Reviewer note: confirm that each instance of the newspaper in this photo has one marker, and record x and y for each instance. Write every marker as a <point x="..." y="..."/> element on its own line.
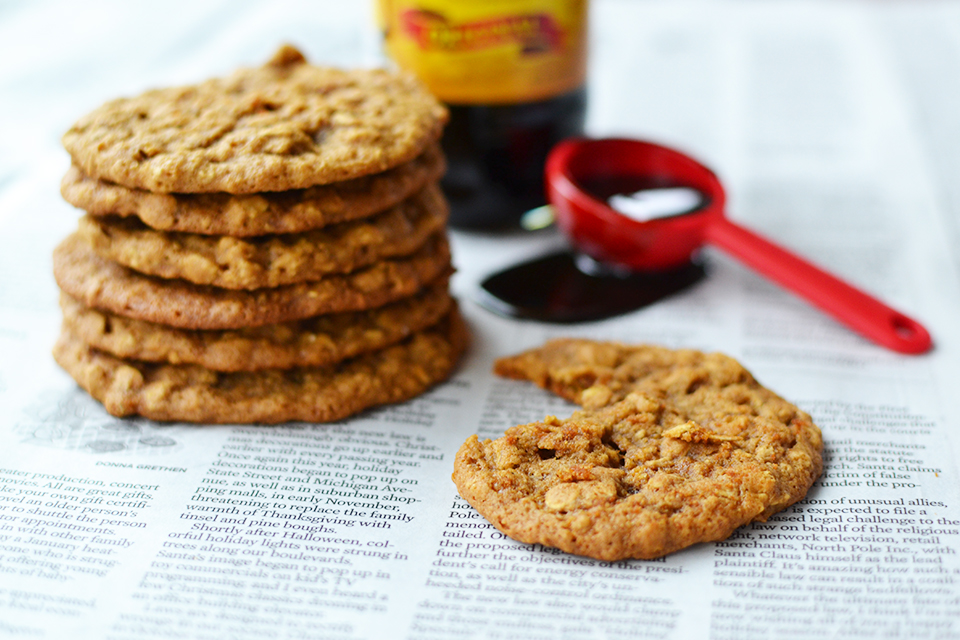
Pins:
<point x="832" y="129"/>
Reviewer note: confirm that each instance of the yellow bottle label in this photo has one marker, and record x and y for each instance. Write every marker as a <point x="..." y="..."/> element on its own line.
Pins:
<point x="489" y="51"/>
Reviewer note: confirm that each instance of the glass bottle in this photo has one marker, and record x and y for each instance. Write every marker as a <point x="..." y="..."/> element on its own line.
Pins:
<point x="512" y="73"/>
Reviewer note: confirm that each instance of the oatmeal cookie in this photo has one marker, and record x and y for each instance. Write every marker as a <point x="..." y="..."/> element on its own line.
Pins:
<point x="313" y="342"/>
<point x="285" y="125"/>
<point x="269" y="261"/>
<point x="318" y="394"/>
<point x="592" y="373"/>
<point x="102" y="284"/>
<point x="676" y="448"/>
<point x="257" y="214"/>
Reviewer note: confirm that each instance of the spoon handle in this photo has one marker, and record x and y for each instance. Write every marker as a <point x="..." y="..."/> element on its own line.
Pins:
<point x="854" y="308"/>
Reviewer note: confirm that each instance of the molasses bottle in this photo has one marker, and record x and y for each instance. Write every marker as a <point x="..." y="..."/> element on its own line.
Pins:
<point x="512" y="73"/>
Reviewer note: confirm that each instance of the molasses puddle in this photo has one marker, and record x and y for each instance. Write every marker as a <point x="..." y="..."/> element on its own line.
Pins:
<point x="566" y="287"/>
<point x="555" y="289"/>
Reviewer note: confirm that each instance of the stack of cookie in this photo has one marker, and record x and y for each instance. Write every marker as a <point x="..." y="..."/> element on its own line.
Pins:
<point x="265" y="247"/>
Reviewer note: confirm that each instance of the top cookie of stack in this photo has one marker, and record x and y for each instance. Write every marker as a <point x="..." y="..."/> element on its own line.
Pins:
<point x="264" y="247"/>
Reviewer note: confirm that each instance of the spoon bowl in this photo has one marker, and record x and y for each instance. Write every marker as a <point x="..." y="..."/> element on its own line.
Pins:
<point x="577" y="166"/>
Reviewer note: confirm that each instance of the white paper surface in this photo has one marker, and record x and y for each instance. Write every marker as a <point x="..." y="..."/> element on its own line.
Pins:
<point x="834" y="129"/>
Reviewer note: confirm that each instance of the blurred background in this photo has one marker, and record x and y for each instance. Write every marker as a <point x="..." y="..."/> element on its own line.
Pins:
<point x="802" y="107"/>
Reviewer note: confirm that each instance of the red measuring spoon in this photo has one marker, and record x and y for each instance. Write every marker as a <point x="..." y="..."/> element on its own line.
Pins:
<point x="611" y="237"/>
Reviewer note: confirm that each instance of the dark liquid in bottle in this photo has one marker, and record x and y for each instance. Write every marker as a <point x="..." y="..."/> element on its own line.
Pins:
<point x="496" y="153"/>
